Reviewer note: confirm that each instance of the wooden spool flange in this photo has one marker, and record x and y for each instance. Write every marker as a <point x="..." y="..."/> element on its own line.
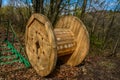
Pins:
<point x="43" y="44"/>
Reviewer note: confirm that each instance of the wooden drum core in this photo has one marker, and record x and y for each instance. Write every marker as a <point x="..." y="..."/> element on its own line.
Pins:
<point x="65" y="41"/>
<point x="45" y="44"/>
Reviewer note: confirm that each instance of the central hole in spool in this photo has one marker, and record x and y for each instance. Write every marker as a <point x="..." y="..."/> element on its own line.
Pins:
<point x="37" y="47"/>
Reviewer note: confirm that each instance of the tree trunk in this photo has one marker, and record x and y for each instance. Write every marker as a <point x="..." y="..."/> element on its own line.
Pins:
<point x="28" y="8"/>
<point x="38" y="6"/>
<point x="83" y="8"/>
<point x="41" y="6"/>
<point x="57" y="7"/>
<point x="115" y="47"/>
<point x="0" y="3"/>
<point x="108" y="31"/>
<point x="54" y="10"/>
<point x="51" y="10"/>
<point x="0" y="9"/>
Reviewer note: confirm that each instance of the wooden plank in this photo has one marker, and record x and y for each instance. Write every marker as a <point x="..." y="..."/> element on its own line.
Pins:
<point x="81" y="38"/>
<point x="40" y="44"/>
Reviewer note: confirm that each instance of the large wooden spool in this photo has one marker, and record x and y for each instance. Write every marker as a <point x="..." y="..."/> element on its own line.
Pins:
<point x="44" y="44"/>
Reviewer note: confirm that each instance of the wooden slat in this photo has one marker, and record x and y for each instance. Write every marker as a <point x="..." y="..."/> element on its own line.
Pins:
<point x="40" y="44"/>
<point x="81" y="38"/>
<point x="43" y="44"/>
<point x="65" y="41"/>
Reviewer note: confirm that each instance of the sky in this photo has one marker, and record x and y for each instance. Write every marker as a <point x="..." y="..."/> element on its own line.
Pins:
<point x="111" y="3"/>
<point x="4" y="2"/>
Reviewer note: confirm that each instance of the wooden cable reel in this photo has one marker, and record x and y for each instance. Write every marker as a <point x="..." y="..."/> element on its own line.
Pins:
<point x="44" y="45"/>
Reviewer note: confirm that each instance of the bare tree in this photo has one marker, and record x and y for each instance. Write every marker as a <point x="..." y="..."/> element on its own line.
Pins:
<point x="109" y="29"/>
<point x="41" y="6"/>
<point x="112" y="20"/>
<point x="115" y="46"/>
<point x="0" y="3"/>
<point x="0" y="7"/>
<point x="84" y="5"/>
<point x="54" y="10"/>
<point x="98" y="12"/>
<point x="38" y="6"/>
<point x="29" y="8"/>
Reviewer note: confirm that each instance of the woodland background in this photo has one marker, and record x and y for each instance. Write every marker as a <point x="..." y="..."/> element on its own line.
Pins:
<point x="101" y="18"/>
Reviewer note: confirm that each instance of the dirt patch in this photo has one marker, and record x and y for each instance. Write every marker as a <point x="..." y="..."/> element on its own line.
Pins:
<point x="94" y="68"/>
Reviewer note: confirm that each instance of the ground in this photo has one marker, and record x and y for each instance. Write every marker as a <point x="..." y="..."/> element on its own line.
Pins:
<point x="94" y="67"/>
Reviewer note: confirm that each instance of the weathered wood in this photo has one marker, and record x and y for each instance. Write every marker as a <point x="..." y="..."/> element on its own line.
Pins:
<point x="65" y="41"/>
<point x="81" y="38"/>
<point x="40" y="44"/>
<point x="69" y="40"/>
